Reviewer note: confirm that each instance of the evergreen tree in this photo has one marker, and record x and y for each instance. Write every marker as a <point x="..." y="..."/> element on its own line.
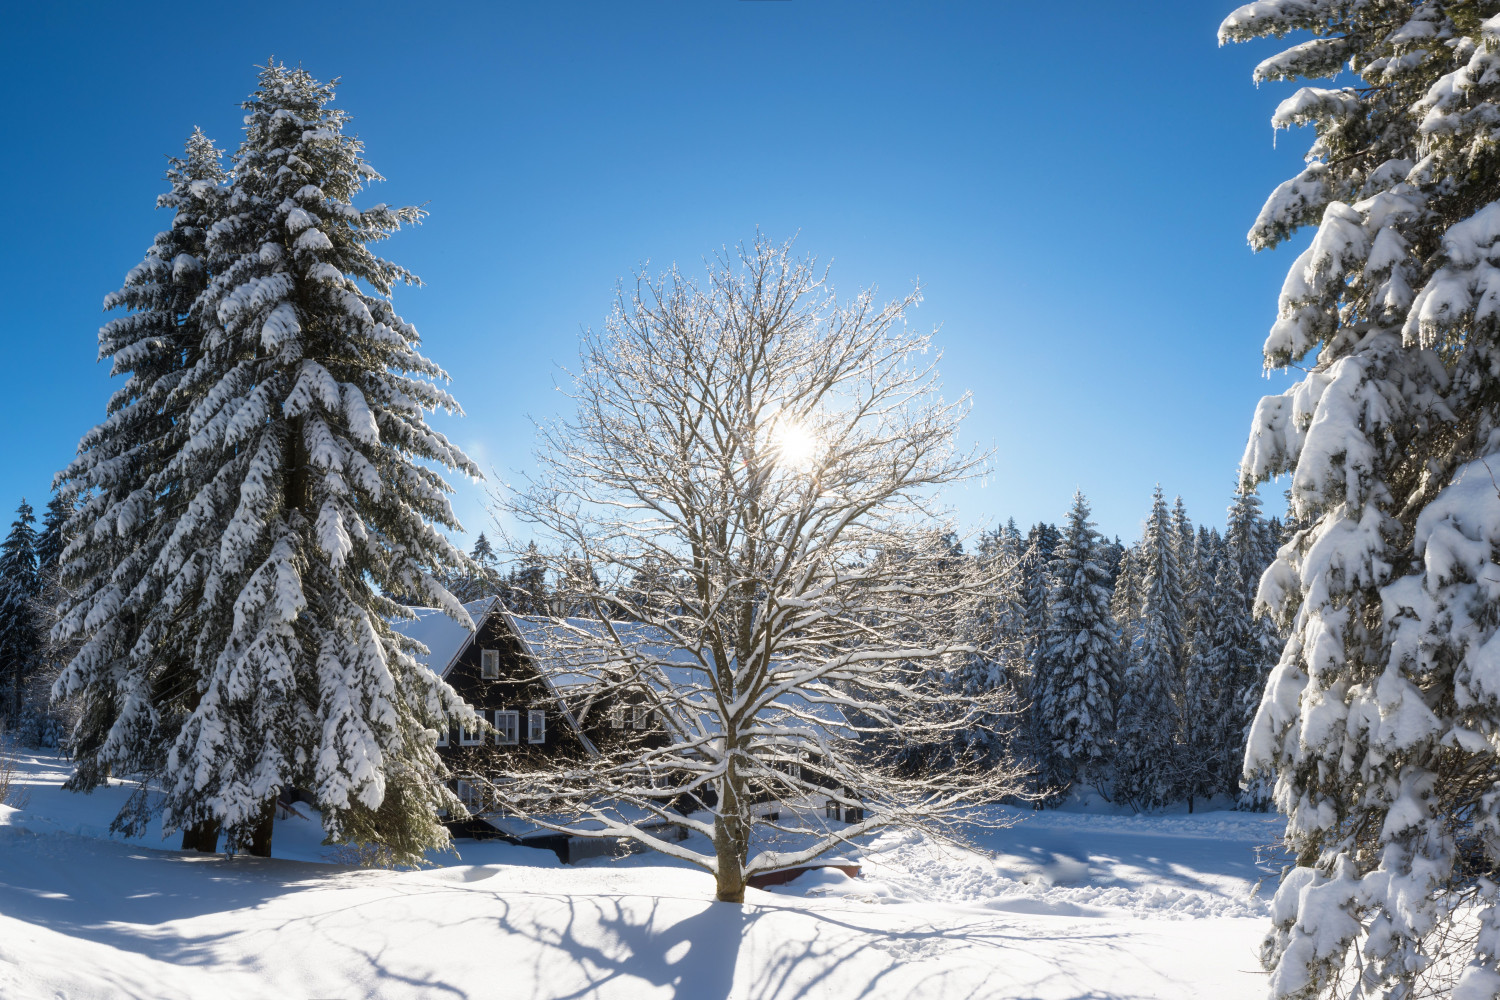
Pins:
<point x="1150" y="714"/>
<point x="1077" y="669"/>
<point x="131" y="660"/>
<point x="998" y="628"/>
<point x="1110" y="554"/>
<point x="1036" y="567"/>
<point x="1125" y="604"/>
<point x="1238" y="666"/>
<point x="480" y="579"/>
<point x="51" y="540"/>
<point x="1251" y="543"/>
<point x="526" y="591"/>
<point x="1189" y="575"/>
<point x="44" y="723"/>
<point x="299" y="494"/>
<point x="1379" y="720"/>
<point x="20" y="586"/>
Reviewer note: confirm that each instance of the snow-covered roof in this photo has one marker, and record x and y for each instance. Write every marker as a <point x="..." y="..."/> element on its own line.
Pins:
<point x="571" y="652"/>
<point x="445" y="638"/>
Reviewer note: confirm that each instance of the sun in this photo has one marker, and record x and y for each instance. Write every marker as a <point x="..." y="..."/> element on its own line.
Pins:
<point x="795" y="444"/>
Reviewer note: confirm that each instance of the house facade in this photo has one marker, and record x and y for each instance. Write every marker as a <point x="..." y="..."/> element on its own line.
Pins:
<point x="542" y="706"/>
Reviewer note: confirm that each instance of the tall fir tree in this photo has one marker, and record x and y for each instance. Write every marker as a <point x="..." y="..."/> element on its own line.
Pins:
<point x="1380" y="720"/>
<point x="1250" y="543"/>
<point x="303" y="488"/>
<point x="20" y="587"/>
<point x="1151" y="707"/>
<point x="1125" y="603"/>
<point x="999" y="626"/>
<point x="1189" y="574"/>
<point x="478" y="580"/>
<point x="131" y="664"/>
<point x="45" y="723"/>
<point x="1036" y="580"/>
<point x="1077" y="671"/>
<point x="1110" y="554"/>
<point x="526" y="591"/>
<point x="52" y="537"/>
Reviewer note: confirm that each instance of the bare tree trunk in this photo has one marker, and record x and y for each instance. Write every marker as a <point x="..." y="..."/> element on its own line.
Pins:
<point x="260" y="840"/>
<point x="730" y="841"/>
<point x="202" y="837"/>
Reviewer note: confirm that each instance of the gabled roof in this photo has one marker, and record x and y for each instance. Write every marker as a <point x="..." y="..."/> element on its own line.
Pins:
<point x="446" y="641"/>
<point x="445" y="638"/>
<point x="560" y="651"/>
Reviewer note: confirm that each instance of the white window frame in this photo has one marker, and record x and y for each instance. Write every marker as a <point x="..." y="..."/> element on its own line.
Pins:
<point x="507" y="722"/>
<point x="469" y="737"/>
<point x="443" y="733"/>
<point x="617" y="716"/>
<point x="536" y="726"/>
<point x="467" y="790"/>
<point x="640" y="717"/>
<point x="489" y="664"/>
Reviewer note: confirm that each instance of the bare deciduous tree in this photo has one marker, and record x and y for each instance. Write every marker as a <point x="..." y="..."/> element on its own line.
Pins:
<point x="756" y="452"/>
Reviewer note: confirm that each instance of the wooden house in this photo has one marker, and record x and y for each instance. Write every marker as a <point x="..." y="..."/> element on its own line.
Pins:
<point x="540" y="701"/>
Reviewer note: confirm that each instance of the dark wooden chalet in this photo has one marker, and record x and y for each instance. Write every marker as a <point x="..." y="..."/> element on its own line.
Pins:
<point x="495" y="671"/>
<point x="504" y="670"/>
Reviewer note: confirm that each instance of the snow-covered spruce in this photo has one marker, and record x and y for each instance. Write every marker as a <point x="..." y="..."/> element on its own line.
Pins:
<point x="20" y="586"/>
<point x="248" y="564"/>
<point x="131" y="671"/>
<point x="1151" y="702"/>
<point x="1077" y="671"/>
<point x="999" y="629"/>
<point x="1381" y="721"/>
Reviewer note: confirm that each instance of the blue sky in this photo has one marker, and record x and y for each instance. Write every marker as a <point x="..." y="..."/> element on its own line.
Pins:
<point x="1071" y="183"/>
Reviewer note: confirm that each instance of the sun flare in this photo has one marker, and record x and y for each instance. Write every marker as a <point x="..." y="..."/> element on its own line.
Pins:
<point x="796" y="445"/>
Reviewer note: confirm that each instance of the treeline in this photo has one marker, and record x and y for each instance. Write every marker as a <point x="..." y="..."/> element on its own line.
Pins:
<point x="1136" y="668"/>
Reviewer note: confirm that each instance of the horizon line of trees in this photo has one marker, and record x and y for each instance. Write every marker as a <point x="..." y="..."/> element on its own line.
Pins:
<point x="1134" y="670"/>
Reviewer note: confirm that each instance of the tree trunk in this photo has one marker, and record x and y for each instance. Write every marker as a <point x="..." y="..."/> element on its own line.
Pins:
<point x="260" y="839"/>
<point x="202" y="837"/>
<point x="730" y="841"/>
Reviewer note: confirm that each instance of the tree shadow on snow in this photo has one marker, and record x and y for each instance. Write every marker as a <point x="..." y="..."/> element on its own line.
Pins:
<point x="120" y="896"/>
<point x="619" y="945"/>
<point x="575" y="945"/>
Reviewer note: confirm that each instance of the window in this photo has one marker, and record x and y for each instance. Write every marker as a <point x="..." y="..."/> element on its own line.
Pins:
<point x="507" y="726"/>
<point x="443" y="734"/>
<point x="468" y="792"/>
<point x="469" y="736"/>
<point x="642" y="717"/>
<point x="617" y="717"/>
<point x="489" y="664"/>
<point x="536" y="726"/>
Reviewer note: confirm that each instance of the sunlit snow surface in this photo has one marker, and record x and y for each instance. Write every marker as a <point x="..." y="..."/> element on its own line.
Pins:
<point x="1059" y="906"/>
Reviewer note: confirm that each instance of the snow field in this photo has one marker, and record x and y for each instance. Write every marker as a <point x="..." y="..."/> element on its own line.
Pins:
<point x="1059" y="906"/>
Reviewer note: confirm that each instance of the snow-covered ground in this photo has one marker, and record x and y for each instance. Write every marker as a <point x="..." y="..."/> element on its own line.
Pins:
<point x="1061" y="905"/>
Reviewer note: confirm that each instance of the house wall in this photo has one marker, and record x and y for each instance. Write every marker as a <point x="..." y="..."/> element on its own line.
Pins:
<point x="519" y="688"/>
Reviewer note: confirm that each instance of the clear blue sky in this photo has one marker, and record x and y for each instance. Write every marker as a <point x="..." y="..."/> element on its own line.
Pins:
<point x="1071" y="182"/>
